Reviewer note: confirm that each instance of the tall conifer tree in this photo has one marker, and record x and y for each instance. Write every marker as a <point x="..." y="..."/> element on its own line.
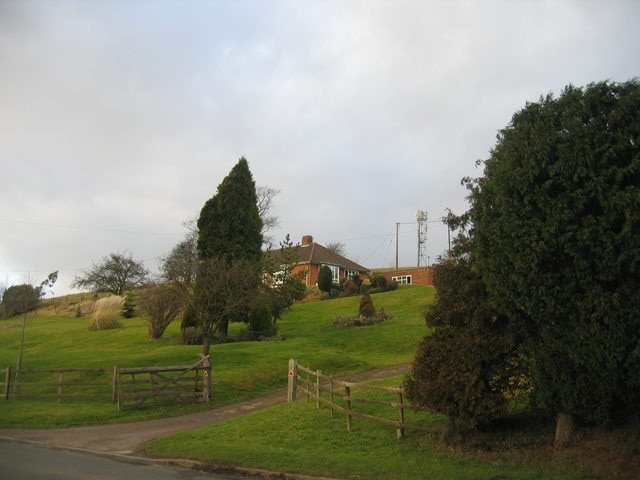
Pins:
<point x="229" y="240"/>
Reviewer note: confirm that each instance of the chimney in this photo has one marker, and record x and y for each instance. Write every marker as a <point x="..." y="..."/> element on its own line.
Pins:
<point x="307" y="240"/>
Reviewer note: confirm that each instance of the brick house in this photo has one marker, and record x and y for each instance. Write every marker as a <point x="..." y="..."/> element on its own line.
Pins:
<point x="312" y="256"/>
<point x="407" y="275"/>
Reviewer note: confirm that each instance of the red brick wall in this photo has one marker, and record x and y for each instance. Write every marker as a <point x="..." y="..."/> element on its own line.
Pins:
<point x="419" y="275"/>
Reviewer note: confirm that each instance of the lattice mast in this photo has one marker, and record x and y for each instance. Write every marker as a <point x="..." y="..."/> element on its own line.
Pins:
<point x="421" y="217"/>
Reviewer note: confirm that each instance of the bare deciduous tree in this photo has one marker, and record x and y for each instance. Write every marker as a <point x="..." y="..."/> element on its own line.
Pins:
<point x="265" y="196"/>
<point x="161" y="304"/>
<point x="117" y="273"/>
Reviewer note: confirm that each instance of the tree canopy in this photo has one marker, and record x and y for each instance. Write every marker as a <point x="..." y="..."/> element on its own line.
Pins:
<point x="117" y="273"/>
<point x="229" y="224"/>
<point x="557" y="225"/>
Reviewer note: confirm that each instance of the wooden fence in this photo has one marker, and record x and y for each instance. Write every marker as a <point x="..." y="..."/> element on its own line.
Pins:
<point x="56" y="383"/>
<point x="126" y="387"/>
<point x="350" y="398"/>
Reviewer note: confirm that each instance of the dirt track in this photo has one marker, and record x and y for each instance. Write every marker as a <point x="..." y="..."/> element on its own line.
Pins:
<point x="125" y="438"/>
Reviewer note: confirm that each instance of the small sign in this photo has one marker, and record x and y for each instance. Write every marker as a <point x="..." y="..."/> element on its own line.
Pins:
<point x="291" y="373"/>
<point x="206" y="374"/>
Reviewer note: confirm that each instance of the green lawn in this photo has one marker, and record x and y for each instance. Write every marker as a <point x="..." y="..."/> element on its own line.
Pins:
<point x="240" y="370"/>
<point x="298" y="438"/>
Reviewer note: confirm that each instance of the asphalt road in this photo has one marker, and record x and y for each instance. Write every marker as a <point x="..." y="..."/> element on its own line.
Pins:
<point x="28" y="462"/>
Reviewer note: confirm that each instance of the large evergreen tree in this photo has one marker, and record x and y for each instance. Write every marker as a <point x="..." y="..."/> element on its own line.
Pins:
<point x="557" y="224"/>
<point x="229" y="224"/>
<point x="229" y="232"/>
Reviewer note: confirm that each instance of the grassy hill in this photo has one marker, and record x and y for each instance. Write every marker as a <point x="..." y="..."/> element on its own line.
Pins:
<point x="57" y="338"/>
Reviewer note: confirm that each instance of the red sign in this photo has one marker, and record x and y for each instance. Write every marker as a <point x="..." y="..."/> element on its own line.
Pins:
<point x="291" y="373"/>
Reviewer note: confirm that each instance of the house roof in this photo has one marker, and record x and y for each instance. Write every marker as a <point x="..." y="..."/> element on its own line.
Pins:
<point x="316" y="254"/>
<point x="312" y="253"/>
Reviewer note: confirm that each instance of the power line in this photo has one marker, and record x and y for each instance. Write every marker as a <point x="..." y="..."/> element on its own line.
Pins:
<point x="79" y="227"/>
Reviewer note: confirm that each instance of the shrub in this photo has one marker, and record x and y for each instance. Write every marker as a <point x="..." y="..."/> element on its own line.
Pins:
<point x="129" y="306"/>
<point x="261" y="321"/>
<point x="106" y="313"/>
<point x="189" y="318"/>
<point x="350" y="287"/>
<point x="378" y="281"/>
<point x="325" y="279"/>
<point x="20" y="299"/>
<point x="359" y="320"/>
<point x="191" y="336"/>
<point x="366" y="306"/>
<point x="162" y="304"/>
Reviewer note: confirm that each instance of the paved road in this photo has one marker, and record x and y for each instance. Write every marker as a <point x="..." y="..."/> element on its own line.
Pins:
<point x="28" y="462"/>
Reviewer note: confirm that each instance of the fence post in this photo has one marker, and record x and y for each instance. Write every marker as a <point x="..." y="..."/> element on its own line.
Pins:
<point x="114" y="387"/>
<point x="207" y="379"/>
<point x="347" y="394"/>
<point x="400" y="429"/>
<point x="331" y="395"/>
<point x="293" y="374"/>
<point x="60" y="383"/>
<point x="7" y="382"/>
<point x="318" y="389"/>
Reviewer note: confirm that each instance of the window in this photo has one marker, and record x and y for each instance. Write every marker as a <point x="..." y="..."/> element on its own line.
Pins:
<point x="335" y="271"/>
<point x="402" y="279"/>
<point x="351" y="273"/>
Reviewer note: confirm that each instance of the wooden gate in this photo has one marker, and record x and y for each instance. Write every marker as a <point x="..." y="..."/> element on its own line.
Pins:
<point x="146" y="386"/>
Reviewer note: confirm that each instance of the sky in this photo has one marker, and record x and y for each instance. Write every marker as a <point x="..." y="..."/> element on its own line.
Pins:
<point x="119" y="119"/>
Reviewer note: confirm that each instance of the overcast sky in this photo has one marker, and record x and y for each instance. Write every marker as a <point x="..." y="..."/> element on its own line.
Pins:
<point x="119" y="119"/>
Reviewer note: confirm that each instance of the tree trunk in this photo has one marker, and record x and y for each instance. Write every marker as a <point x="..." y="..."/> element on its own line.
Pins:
<point x="223" y="329"/>
<point x="206" y="344"/>
<point x="565" y="428"/>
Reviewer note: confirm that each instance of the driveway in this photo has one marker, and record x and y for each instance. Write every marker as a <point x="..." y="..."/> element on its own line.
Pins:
<point x="126" y="438"/>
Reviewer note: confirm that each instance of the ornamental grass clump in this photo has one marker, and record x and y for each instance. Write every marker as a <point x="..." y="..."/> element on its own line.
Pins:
<point x="106" y="313"/>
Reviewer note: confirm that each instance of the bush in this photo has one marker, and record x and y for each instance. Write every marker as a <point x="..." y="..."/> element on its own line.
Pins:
<point x="359" y="321"/>
<point x="162" y="304"/>
<point x="350" y="287"/>
<point x="20" y="299"/>
<point x="191" y="336"/>
<point x="379" y="281"/>
<point x="366" y="306"/>
<point x="189" y="318"/>
<point x="325" y="279"/>
<point x="261" y="322"/>
<point x="106" y="313"/>
<point x="129" y="306"/>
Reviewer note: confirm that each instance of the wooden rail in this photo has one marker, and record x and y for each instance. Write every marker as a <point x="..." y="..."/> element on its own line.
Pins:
<point x="127" y="387"/>
<point x="343" y="397"/>
<point x="56" y="383"/>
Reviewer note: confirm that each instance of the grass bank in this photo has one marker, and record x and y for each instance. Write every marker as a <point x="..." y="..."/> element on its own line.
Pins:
<point x="298" y="438"/>
<point x="240" y="370"/>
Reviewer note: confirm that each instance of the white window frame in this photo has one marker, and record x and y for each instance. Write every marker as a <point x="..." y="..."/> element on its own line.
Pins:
<point x="335" y="272"/>
<point x="403" y="279"/>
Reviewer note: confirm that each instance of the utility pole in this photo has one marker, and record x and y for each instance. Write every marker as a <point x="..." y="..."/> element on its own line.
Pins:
<point x="397" y="230"/>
